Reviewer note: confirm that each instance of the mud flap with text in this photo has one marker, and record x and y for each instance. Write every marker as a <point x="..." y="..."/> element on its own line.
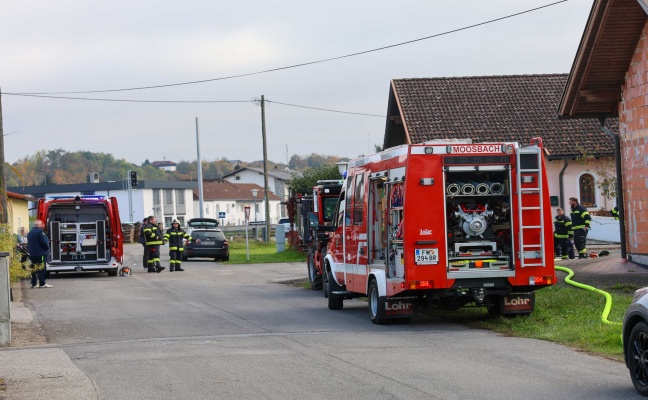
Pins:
<point x="517" y="303"/>
<point x="399" y="308"/>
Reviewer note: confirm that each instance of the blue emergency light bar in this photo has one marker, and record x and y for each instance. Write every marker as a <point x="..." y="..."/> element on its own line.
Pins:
<point x="77" y="197"/>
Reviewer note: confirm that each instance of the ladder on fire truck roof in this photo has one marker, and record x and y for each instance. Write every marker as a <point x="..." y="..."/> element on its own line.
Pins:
<point x="530" y="201"/>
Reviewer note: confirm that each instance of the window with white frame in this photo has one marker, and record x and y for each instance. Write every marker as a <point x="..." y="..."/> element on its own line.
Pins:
<point x="587" y="189"/>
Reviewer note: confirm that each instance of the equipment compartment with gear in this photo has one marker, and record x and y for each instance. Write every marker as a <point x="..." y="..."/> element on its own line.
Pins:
<point x="478" y="206"/>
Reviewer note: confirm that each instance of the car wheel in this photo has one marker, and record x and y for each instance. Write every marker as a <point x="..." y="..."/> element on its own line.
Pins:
<point x="335" y="302"/>
<point x="226" y="258"/>
<point x="376" y="304"/>
<point x="638" y="357"/>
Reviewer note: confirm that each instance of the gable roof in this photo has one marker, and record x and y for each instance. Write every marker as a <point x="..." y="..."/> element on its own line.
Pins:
<point x="611" y="34"/>
<point x="281" y="174"/>
<point x="224" y="190"/>
<point x="19" y="196"/>
<point x="490" y="109"/>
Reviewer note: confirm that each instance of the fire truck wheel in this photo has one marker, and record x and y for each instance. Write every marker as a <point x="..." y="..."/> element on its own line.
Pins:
<point x="335" y="302"/>
<point x="376" y="304"/>
<point x="493" y="306"/>
<point x="112" y="272"/>
<point x="314" y="279"/>
<point x="325" y="283"/>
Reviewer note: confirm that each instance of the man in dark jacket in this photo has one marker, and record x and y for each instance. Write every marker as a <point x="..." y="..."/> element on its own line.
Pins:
<point x="142" y="240"/>
<point x="581" y="219"/>
<point x="153" y="242"/>
<point x="562" y="235"/>
<point x="175" y="237"/>
<point x="38" y="245"/>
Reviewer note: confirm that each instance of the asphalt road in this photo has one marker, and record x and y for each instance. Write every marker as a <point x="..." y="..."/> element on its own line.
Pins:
<point x="221" y="331"/>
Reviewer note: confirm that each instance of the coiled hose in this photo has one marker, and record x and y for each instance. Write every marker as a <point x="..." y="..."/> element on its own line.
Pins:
<point x="608" y="298"/>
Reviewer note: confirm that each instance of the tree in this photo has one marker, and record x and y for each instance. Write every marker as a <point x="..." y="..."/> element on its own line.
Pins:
<point x="309" y="178"/>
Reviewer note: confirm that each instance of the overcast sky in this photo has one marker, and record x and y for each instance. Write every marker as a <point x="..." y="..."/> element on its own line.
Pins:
<point x="80" y="45"/>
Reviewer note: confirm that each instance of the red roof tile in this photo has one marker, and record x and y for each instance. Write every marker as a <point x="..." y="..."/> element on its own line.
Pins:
<point x="491" y="108"/>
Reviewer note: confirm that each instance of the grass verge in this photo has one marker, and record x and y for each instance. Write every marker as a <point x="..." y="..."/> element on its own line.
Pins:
<point x="563" y="314"/>
<point x="262" y="253"/>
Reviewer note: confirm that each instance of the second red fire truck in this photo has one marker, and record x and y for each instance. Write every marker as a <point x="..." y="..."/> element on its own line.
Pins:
<point x="85" y="233"/>
<point x="443" y="223"/>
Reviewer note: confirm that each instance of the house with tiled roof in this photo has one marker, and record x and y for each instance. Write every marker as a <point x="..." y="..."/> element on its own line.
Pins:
<point x="277" y="180"/>
<point x="19" y="212"/>
<point x="507" y="108"/>
<point x="608" y="80"/>
<point x="165" y="165"/>
<point x="221" y="196"/>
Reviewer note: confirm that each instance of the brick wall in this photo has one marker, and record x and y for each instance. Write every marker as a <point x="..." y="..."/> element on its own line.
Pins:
<point x="633" y="125"/>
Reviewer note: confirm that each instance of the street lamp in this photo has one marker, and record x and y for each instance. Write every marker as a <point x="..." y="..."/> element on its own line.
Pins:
<point x="342" y="167"/>
<point x="254" y="194"/>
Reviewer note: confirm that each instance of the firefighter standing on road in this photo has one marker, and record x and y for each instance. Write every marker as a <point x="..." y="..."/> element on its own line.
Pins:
<point x="142" y="240"/>
<point x="580" y="225"/>
<point x="563" y="233"/>
<point x="175" y="236"/>
<point x="153" y="242"/>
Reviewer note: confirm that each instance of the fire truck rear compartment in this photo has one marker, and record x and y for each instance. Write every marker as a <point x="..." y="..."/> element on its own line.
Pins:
<point x="478" y="207"/>
<point x="79" y="235"/>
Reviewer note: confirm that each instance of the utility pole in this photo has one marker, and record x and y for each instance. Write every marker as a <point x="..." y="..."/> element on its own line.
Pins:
<point x="4" y="209"/>
<point x="130" y="195"/>
<point x="265" y="170"/>
<point x="199" y="167"/>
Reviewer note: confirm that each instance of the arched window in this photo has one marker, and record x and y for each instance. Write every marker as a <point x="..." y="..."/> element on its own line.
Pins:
<point x="587" y="188"/>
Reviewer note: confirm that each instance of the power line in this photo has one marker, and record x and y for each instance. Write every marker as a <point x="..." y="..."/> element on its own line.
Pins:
<point x="126" y="100"/>
<point x="309" y="62"/>
<point x="188" y="101"/>
<point x="325" y="109"/>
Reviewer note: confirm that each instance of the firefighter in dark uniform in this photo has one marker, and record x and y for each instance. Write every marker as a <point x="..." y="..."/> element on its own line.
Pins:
<point x="563" y="247"/>
<point x="174" y="237"/>
<point x="153" y="242"/>
<point x="580" y="226"/>
<point x="615" y="212"/>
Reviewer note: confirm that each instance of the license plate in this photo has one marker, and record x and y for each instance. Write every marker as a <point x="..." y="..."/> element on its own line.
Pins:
<point x="207" y="243"/>
<point x="426" y="256"/>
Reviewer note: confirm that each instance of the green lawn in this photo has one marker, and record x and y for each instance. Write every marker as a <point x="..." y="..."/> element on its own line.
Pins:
<point x="262" y="253"/>
<point x="563" y="314"/>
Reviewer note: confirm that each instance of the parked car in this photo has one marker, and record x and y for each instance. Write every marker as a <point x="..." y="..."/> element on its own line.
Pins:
<point x="202" y="223"/>
<point x="635" y="340"/>
<point x="286" y="223"/>
<point x="212" y="244"/>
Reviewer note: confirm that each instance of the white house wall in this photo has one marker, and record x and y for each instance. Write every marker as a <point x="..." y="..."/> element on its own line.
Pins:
<point x="142" y="203"/>
<point x="236" y="215"/>
<point x="571" y="176"/>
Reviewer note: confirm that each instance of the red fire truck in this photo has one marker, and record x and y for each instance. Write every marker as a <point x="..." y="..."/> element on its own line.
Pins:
<point x="443" y="223"/>
<point x="85" y="233"/>
<point x="314" y="220"/>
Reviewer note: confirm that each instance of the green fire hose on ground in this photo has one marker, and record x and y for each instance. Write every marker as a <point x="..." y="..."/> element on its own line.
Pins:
<point x="608" y="298"/>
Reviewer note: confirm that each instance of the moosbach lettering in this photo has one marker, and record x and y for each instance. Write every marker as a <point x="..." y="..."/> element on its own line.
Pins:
<point x="477" y="148"/>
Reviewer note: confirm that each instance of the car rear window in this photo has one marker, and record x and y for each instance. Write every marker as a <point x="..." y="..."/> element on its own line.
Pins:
<point x="215" y="235"/>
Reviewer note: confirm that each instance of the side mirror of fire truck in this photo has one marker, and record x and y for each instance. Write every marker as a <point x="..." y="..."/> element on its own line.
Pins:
<point x="313" y="220"/>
